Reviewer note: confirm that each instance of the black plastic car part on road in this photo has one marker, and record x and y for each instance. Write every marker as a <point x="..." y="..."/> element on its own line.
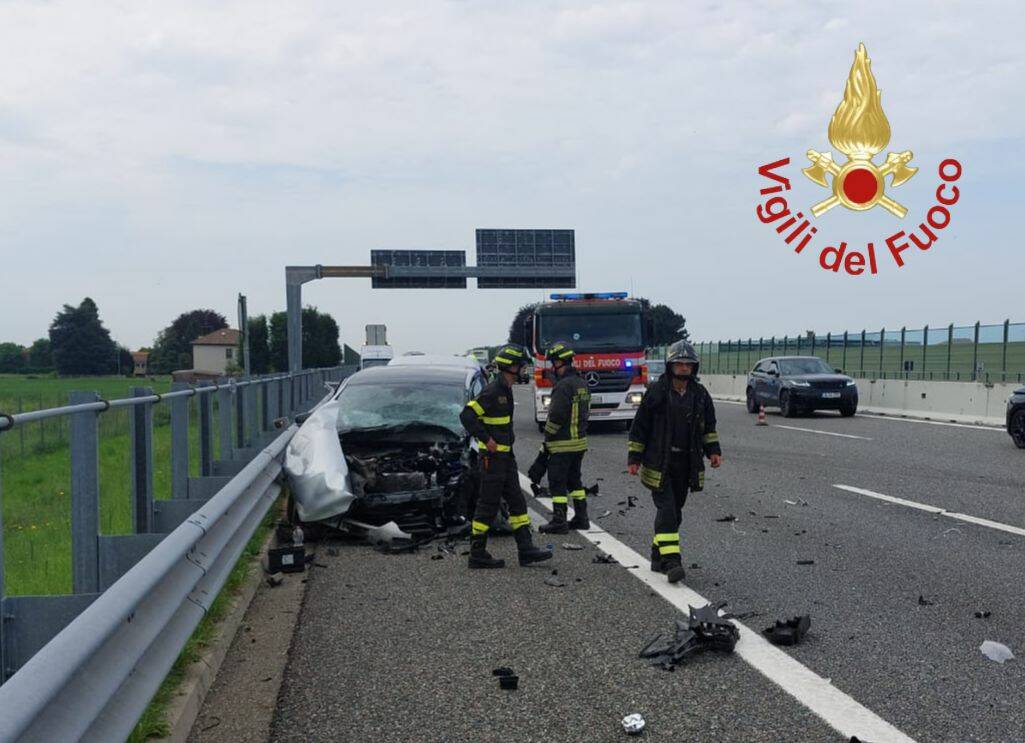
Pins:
<point x="1016" y="417"/>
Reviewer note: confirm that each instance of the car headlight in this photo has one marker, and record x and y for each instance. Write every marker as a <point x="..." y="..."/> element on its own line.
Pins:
<point x="634" y="398"/>
<point x="546" y="401"/>
<point x="799" y="383"/>
<point x="851" y="383"/>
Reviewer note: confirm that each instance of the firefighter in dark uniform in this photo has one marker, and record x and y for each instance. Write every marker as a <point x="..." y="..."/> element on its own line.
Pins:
<point x="672" y="433"/>
<point x="566" y="442"/>
<point x="489" y="419"/>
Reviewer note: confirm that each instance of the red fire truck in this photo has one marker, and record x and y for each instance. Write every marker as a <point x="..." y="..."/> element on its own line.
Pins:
<point x="608" y="333"/>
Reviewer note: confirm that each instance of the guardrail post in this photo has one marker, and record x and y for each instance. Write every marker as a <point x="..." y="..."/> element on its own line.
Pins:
<point x="224" y="395"/>
<point x="925" y="349"/>
<point x="206" y="434"/>
<point x="4" y="670"/>
<point x="180" y="442"/>
<point x="882" y="349"/>
<point x="85" y="495"/>
<point x="265" y="418"/>
<point x="950" y="345"/>
<point x="141" y="434"/>
<point x="240" y="416"/>
<point x="903" y="331"/>
<point x="1003" y="353"/>
<point x="975" y="354"/>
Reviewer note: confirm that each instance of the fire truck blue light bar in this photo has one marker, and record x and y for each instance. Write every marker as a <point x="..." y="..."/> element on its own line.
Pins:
<point x="591" y="295"/>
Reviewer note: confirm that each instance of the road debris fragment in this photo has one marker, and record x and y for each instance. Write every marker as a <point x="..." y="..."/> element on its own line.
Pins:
<point x="996" y="651"/>
<point x="789" y="632"/>
<point x="286" y="560"/>
<point x="571" y="546"/>
<point x="705" y="629"/>
<point x="982" y="614"/>
<point x="604" y="559"/>
<point x="274" y="580"/>
<point x="923" y="601"/>
<point x="607" y="513"/>
<point x="633" y="724"/>
<point x="727" y="518"/>
<point x="805" y="562"/>
<point x="507" y="679"/>
<point x="554" y="580"/>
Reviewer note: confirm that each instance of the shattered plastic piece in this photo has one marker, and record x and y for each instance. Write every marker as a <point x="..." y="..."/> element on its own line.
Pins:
<point x="633" y="724"/>
<point x="790" y="502"/>
<point x="607" y="513"/>
<point x="923" y="601"/>
<point x="706" y="629"/>
<point x="437" y="557"/>
<point x="805" y="562"/>
<point x="790" y="632"/>
<point x="274" y="580"/>
<point x="571" y="546"/>
<point x="502" y="671"/>
<point x="554" y="580"/>
<point x="593" y="490"/>
<point x="604" y="559"/>
<point x="982" y="614"/>
<point x="727" y="518"/>
<point x="511" y="682"/>
<point x="996" y="651"/>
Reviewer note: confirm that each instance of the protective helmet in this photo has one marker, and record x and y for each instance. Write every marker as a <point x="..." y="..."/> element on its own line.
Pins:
<point x="510" y="356"/>
<point x="682" y="351"/>
<point x="560" y="351"/>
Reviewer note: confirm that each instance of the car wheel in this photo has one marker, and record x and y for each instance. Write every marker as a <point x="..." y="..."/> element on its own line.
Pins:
<point x="848" y="410"/>
<point x="752" y="404"/>
<point x="1018" y="429"/>
<point x="786" y="406"/>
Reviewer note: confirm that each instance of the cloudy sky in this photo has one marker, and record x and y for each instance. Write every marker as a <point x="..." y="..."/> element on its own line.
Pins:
<point x="164" y="156"/>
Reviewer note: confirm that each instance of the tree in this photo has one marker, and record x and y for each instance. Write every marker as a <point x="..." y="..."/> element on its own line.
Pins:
<point x="517" y="332"/>
<point x="259" y="345"/>
<point x="79" y="342"/>
<point x="12" y="358"/>
<point x="126" y="362"/>
<point x="173" y="346"/>
<point x="320" y="340"/>
<point x="666" y="324"/>
<point x="40" y="354"/>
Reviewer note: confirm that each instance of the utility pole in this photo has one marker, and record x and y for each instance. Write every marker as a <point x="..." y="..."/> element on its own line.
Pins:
<point x="243" y="327"/>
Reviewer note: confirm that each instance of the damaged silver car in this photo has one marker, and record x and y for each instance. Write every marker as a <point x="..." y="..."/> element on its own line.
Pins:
<point x="388" y="450"/>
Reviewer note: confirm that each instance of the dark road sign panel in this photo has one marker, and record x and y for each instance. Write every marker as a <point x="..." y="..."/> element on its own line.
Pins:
<point x="533" y="249"/>
<point x="438" y="260"/>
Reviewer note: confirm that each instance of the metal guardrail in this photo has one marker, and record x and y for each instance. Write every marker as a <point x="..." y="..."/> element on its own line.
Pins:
<point x="85" y="665"/>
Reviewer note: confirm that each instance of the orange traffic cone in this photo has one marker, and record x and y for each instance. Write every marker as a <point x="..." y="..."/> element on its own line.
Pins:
<point x="761" y="416"/>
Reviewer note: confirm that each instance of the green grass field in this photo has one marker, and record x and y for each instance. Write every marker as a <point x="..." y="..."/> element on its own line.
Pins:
<point x="36" y="485"/>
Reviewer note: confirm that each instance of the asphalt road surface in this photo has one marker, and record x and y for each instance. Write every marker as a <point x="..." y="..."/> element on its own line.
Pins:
<point x="912" y="529"/>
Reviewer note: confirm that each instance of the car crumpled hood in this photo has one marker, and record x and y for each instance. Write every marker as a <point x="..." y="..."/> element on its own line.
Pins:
<point x="316" y="468"/>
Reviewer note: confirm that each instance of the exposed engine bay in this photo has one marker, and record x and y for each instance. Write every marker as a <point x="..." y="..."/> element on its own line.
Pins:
<point x="417" y="475"/>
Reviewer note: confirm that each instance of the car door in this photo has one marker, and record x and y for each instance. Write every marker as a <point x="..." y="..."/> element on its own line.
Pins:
<point x="758" y="379"/>
<point x="772" y="383"/>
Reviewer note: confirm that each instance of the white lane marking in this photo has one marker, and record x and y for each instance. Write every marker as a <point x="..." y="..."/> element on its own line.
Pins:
<point x="935" y="510"/>
<point x="824" y="433"/>
<point x="839" y="710"/>
<point x="729" y="402"/>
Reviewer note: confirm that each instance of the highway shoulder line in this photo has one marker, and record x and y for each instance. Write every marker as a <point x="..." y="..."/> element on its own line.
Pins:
<point x="839" y="710"/>
<point x="824" y="433"/>
<point x="934" y="510"/>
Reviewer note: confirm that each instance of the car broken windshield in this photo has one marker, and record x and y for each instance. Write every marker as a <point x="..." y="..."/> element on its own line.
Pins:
<point x="363" y="406"/>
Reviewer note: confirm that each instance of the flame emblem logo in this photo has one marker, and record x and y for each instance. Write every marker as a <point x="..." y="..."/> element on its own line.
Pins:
<point x="860" y="130"/>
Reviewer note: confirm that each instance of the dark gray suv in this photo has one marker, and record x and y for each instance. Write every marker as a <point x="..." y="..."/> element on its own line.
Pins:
<point x="1016" y="417"/>
<point x="800" y="384"/>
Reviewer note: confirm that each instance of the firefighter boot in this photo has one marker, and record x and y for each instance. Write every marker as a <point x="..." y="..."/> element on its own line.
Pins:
<point x="528" y="552"/>
<point x="656" y="560"/>
<point x="558" y="524"/>
<point x="480" y="558"/>
<point x="579" y="520"/>
<point x="674" y="568"/>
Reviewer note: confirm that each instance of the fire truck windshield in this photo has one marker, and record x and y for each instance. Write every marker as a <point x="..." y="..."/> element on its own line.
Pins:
<point x="592" y="332"/>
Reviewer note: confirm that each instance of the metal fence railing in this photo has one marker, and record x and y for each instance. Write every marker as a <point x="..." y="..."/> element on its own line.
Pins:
<point x="970" y="353"/>
<point x="172" y="563"/>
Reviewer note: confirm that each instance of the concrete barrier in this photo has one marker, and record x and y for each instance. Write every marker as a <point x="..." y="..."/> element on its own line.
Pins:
<point x="958" y="402"/>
